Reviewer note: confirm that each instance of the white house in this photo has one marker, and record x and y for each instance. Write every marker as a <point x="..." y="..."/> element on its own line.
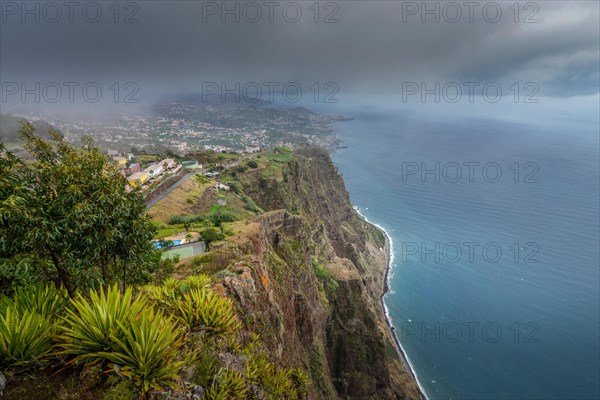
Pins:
<point x="154" y="170"/>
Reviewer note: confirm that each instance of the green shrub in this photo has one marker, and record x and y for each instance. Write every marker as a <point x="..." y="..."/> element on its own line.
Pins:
<point x="204" y="258"/>
<point x="176" y="219"/>
<point x="25" y="338"/>
<point x="251" y="205"/>
<point x="211" y="235"/>
<point x="186" y="219"/>
<point x="218" y="217"/>
<point x="324" y="276"/>
<point x="96" y="323"/>
<point x="205" y="370"/>
<point x="252" y="164"/>
<point x="123" y="389"/>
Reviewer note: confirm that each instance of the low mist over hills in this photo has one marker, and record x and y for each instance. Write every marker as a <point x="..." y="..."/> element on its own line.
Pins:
<point x="9" y="128"/>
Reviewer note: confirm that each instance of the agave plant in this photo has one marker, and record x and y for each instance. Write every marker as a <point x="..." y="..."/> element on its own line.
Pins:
<point x="200" y="281"/>
<point x="276" y="383"/>
<point x="44" y="300"/>
<point x="172" y="285"/>
<point x="301" y="381"/>
<point x="166" y="295"/>
<point x="158" y="296"/>
<point x="202" y="308"/>
<point x="147" y="350"/>
<point x="25" y="338"/>
<point x="95" y="323"/>
<point x="227" y="384"/>
<point x="175" y="288"/>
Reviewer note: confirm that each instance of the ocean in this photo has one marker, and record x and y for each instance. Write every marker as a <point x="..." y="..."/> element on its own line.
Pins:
<point x="495" y="229"/>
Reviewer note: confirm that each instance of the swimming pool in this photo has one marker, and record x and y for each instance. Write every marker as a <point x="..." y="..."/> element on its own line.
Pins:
<point x="158" y="244"/>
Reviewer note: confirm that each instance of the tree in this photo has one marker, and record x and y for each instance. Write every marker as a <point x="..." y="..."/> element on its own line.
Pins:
<point x="189" y="237"/>
<point x="211" y="235"/>
<point x="68" y="215"/>
<point x="252" y="164"/>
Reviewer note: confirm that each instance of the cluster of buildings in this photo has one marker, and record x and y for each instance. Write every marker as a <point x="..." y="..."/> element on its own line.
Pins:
<point x="151" y="172"/>
<point x="133" y="172"/>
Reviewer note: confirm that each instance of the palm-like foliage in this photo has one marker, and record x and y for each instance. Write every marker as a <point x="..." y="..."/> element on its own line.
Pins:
<point x="147" y="350"/>
<point x="25" y="338"/>
<point x="96" y="322"/>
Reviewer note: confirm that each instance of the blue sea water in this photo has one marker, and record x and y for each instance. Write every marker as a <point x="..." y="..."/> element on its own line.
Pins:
<point x="475" y="324"/>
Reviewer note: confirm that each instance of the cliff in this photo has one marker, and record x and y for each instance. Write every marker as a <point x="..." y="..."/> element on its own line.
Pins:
<point x="308" y="276"/>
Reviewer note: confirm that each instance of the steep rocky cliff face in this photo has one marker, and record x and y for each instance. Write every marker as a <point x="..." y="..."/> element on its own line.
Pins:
<point x="308" y="276"/>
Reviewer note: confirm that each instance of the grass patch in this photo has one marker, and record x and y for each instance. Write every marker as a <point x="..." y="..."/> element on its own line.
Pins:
<point x="162" y="233"/>
<point x="180" y="201"/>
<point x="281" y="155"/>
<point x="324" y="276"/>
<point x="146" y="158"/>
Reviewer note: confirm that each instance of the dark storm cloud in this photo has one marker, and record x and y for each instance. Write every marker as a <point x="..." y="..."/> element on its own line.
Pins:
<point x="374" y="46"/>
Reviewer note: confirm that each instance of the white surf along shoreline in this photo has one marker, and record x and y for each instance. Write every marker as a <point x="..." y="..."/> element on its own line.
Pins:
<point x="388" y="275"/>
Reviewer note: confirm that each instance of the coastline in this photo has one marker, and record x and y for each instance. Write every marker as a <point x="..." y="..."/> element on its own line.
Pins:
<point x="389" y="249"/>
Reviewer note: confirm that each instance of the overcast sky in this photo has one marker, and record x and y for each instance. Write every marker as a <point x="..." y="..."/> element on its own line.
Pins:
<point x="364" y="47"/>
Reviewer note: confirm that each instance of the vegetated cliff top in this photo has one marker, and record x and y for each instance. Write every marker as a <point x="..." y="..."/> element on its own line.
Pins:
<point x="306" y="271"/>
<point x="294" y="276"/>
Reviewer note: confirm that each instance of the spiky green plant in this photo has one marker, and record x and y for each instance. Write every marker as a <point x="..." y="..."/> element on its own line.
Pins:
<point x="171" y="285"/>
<point x="199" y="281"/>
<point x="227" y="384"/>
<point x="166" y="295"/>
<point x="147" y="350"/>
<point x="45" y="300"/>
<point x="96" y="322"/>
<point x="25" y="338"/>
<point x="276" y="383"/>
<point x="301" y="381"/>
<point x="202" y="308"/>
<point x="158" y="296"/>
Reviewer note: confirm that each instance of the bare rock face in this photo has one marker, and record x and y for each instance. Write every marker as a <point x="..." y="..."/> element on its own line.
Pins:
<point x="312" y="284"/>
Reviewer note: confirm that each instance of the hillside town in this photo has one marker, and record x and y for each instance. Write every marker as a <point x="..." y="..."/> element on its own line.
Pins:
<point x="185" y="128"/>
<point x="146" y="172"/>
